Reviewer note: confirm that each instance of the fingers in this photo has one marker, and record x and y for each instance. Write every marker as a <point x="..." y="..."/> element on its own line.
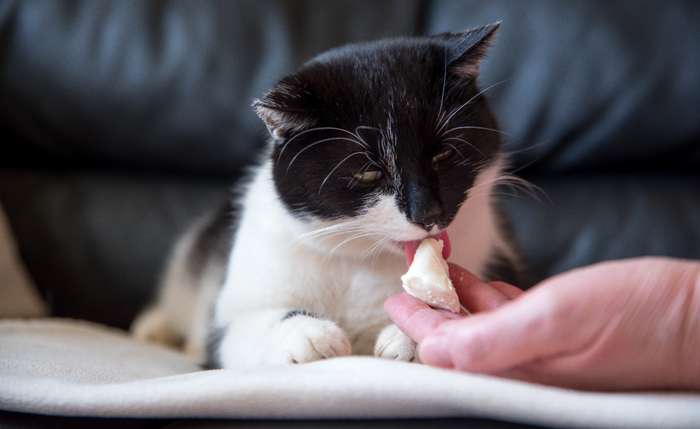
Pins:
<point x="518" y="332"/>
<point x="415" y="318"/>
<point x="476" y="295"/>
<point x="447" y="340"/>
<point x="506" y="289"/>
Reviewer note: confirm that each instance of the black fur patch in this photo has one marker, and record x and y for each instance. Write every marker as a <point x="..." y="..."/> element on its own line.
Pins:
<point x="295" y="313"/>
<point x="502" y="268"/>
<point x="213" y="242"/>
<point x="393" y="106"/>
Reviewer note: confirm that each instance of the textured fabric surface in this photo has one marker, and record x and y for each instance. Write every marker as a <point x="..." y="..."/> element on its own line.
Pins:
<point x="116" y="376"/>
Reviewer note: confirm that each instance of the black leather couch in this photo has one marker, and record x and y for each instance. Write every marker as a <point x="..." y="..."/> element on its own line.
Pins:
<point x="120" y="121"/>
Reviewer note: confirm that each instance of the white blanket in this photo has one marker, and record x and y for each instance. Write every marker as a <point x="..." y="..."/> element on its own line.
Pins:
<point x="79" y="369"/>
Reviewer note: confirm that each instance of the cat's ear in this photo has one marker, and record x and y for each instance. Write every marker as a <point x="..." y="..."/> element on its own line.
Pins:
<point x="465" y="50"/>
<point x="286" y="108"/>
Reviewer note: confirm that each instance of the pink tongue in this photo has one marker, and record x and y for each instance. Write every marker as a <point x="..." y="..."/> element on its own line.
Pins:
<point x="409" y="247"/>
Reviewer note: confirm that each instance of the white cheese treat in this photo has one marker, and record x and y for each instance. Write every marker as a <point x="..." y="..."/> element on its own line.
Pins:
<point x="428" y="277"/>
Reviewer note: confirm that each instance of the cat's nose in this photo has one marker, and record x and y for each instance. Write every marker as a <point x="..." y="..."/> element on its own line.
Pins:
<point x="424" y="208"/>
<point x="431" y="216"/>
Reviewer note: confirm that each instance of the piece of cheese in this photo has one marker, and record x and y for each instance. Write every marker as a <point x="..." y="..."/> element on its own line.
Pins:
<point x="428" y="277"/>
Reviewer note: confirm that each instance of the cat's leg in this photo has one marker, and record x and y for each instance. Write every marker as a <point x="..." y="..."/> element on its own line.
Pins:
<point x="392" y="343"/>
<point x="276" y="337"/>
<point x="199" y="327"/>
<point x="153" y="325"/>
<point x="168" y="319"/>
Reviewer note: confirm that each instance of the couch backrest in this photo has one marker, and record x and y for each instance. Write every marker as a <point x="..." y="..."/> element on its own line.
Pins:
<point x="167" y="86"/>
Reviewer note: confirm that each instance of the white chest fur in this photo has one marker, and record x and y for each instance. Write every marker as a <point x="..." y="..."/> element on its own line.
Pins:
<point x="273" y="268"/>
<point x="270" y="267"/>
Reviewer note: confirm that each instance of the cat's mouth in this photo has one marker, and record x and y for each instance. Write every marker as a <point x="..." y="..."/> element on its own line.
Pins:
<point x="409" y="247"/>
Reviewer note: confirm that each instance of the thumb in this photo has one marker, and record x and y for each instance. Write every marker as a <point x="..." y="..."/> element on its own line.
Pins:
<point x="520" y="331"/>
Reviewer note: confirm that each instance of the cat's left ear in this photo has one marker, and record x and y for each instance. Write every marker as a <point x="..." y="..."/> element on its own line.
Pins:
<point x="286" y="108"/>
<point x="466" y="49"/>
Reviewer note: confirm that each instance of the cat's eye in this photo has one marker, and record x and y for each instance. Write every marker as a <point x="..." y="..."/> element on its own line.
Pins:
<point x="368" y="177"/>
<point x="442" y="156"/>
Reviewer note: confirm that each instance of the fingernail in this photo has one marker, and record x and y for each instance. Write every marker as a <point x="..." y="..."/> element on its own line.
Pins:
<point x="434" y="351"/>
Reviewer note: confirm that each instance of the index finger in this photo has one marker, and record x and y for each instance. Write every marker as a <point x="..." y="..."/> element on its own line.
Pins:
<point x="415" y="318"/>
<point x="475" y="294"/>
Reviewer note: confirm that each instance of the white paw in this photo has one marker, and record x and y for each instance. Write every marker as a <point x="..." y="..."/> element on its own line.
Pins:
<point x="392" y="343"/>
<point x="301" y="339"/>
<point x="153" y="326"/>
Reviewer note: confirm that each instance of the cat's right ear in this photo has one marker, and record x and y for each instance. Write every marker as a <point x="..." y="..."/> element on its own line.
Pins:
<point x="286" y="108"/>
<point x="466" y="49"/>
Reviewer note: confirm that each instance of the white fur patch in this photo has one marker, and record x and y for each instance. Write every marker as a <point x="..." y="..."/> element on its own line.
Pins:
<point x="393" y="344"/>
<point x="263" y="338"/>
<point x="341" y="271"/>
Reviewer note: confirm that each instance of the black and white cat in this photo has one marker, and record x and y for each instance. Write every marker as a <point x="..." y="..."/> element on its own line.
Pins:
<point x="373" y="146"/>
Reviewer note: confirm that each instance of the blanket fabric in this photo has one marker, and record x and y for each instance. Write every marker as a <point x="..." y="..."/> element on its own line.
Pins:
<point x="66" y="367"/>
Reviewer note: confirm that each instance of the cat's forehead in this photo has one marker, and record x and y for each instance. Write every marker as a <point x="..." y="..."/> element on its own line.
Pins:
<point x="406" y="82"/>
<point x="387" y="91"/>
<point x="386" y="75"/>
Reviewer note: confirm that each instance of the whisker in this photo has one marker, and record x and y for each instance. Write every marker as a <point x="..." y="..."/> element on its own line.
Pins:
<point x="338" y="166"/>
<point x="351" y="238"/>
<point x="367" y="127"/>
<point x="377" y="244"/>
<point x="454" y="112"/>
<point x="481" y="185"/>
<point x="332" y="228"/>
<point x="441" y="112"/>
<point x="311" y="130"/>
<point x="294" y="158"/>
<point x="510" y="182"/>
<point x="475" y="128"/>
<point x="457" y="150"/>
<point x="529" y="188"/>
<point x="367" y="253"/>
<point x="353" y="183"/>
<point x="459" y="139"/>
<point x="524" y="166"/>
<point x="376" y="249"/>
<point x="329" y="233"/>
<point x="492" y="184"/>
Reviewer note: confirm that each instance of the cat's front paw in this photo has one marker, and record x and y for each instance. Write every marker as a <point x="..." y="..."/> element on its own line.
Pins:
<point x="392" y="343"/>
<point x="303" y="338"/>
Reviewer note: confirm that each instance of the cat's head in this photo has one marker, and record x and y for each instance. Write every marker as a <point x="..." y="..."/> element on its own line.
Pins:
<point x="383" y="138"/>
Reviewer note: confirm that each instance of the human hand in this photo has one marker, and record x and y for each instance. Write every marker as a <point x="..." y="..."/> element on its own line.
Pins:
<point x="616" y="325"/>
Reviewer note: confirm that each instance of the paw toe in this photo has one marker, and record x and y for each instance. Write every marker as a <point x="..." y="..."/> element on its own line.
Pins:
<point x="394" y="344"/>
<point x="308" y="339"/>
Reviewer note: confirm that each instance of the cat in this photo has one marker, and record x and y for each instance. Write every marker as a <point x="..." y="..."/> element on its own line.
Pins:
<point x="372" y="146"/>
